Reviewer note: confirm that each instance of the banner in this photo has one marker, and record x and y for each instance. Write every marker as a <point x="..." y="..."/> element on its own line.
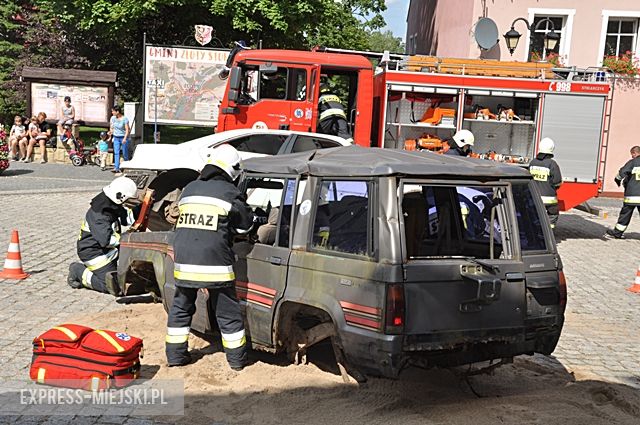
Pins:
<point x="91" y="103"/>
<point x="183" y="84"/>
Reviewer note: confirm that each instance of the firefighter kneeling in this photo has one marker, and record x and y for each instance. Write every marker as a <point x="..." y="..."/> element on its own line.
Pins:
<point x="546" y="174"/>
<point x="211" y="209"/>
<point x="99" y="238"/>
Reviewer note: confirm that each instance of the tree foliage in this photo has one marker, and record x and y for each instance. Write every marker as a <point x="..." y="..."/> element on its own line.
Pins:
<point x="108" y="34"/>
<point x="381" y="41"/>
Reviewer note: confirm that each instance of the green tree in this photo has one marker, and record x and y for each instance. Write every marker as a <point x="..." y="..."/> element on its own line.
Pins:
<point x="11" y="40"/>
<point x="381" y="41"/>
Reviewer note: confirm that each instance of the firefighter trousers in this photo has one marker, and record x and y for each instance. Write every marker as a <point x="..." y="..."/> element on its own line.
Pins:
<point x="553" y="212"/>
<point x="224" y="303"/>
<point x="624" y="219"/>
<point x="335" y="125"/>
<point x="100" y="280"/>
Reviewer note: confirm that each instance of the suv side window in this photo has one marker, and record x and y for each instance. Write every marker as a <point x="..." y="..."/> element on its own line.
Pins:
<point x="342" y="220"/>
<point x="529" y="224"/>
<point x="309" y="143"/>
<point x="264" y="196"/>
<point x="268" y="144"/>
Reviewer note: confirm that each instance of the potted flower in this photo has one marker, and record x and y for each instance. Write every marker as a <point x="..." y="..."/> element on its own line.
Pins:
<point x="552" y="58"/>
<point x="626" y="64"/>
<point x="4" y="150"/>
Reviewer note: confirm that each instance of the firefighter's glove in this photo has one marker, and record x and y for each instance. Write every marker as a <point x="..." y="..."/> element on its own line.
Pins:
<point x="618" y="181"/>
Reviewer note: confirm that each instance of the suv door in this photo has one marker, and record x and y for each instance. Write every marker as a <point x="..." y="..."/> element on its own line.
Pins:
<point x="262" y="267"/>
<point x="464" y="278"/>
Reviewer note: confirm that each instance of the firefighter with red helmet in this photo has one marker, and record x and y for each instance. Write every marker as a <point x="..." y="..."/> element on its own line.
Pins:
<point x="99" y="238"/>
<point x="212" y="210"/>
<point x="331" y="116"/>
<point x="629" y="177"/>
<point x="546" y="173"/>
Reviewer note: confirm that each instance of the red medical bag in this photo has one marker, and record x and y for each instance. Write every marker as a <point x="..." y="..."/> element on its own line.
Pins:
<point x="76" y="356"/>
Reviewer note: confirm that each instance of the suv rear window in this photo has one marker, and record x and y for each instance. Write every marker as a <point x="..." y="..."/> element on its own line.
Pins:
<point x="455" y="221"/>
<point x="529" y="223"/>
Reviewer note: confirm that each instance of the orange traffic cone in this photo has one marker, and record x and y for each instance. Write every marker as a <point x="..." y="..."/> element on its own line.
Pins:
<point x="636" y="285"/>
<point x="13" y="263"/>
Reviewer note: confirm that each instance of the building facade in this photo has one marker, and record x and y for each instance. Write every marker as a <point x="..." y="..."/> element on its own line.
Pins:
<point x="589" y="30"/>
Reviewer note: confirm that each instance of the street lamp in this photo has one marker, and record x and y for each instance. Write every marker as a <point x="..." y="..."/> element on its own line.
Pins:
<point x="512" y="36"/>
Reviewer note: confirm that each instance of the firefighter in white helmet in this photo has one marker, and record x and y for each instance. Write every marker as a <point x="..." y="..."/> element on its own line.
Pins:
<point x="461" y="143"/>
<point x="546" y="174"/>
<point x="212" y="210"/>
<point x="99" y="238"/>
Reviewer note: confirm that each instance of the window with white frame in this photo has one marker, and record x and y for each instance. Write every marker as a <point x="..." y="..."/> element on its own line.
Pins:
<point x="537" y="51"/>
<point x="621" y="36"/>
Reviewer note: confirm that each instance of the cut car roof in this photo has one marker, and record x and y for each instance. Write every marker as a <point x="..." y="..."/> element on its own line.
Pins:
<point x="355" y="161"/>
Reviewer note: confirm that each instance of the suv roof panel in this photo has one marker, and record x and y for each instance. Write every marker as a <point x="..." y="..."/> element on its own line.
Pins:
<point x="357" y="161"/>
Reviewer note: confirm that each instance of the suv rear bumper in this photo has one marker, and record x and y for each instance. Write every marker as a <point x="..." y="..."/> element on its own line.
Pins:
<point x="387" y="355"/>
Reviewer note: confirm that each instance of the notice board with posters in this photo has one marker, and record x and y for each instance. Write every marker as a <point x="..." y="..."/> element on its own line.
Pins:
<point x="186" y="82"/>
<point x="91" y="93"/>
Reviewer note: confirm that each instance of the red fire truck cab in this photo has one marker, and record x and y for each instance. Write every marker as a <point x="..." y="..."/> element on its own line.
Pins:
<point x="424" y="100"/>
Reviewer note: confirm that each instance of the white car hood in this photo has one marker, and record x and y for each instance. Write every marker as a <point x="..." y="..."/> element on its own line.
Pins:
<point x="168" y="157"/>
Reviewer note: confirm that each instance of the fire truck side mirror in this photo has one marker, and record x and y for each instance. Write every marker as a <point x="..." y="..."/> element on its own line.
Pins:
<point x="235" y="79"/>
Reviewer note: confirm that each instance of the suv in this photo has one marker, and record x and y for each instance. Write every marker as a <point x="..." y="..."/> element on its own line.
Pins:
<point x="401" y="258"/>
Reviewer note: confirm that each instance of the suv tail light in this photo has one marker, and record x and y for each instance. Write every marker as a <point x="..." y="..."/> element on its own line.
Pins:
<point x="563" y="289"/>
<point x="394" y="311"/>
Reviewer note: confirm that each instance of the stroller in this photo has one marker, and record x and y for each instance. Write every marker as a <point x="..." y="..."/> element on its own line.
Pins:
<point x="78" y="154"/>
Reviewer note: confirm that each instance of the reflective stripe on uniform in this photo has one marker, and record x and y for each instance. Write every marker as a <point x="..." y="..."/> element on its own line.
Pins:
<point x="110" y="340"/>
<point x="130" y="218"/>
<point x="549" y="200"/>
<point x="331" y="112"/>
<point x="539" y="173"/>
<point x="203" y="273"/>
<point x="177" y="335"/>
<point x="114" y="240"/>
<point x="621" y="227"/>
<point x="86" y="278"/>
<point x="68" y="332"/>
<point x="636" y="172"/>
<point x="632" y="200"/>
<point x="85" y="226"/>
<point x="206" y="200"/>
<point x="329" y="98"/>
<point x="41" y="373"/>
<point x="102" y="260"/>
<point x="234" y="340"/>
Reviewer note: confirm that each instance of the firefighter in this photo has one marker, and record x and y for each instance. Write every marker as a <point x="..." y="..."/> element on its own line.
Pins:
<point x="546" y="174"/>
<point x="212" y="210"/>
<point x="629" y="177"/>
<point x="239" y="46"/>
<point x="461" y="143"/>
<point x="332" y="118"/>
<point x="99" y="238"/>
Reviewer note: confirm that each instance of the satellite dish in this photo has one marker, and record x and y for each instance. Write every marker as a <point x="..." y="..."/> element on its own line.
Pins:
<point x="486" y="33"/>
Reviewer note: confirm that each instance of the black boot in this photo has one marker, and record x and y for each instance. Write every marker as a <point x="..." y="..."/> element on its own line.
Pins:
<point x="112" y="284"/>
<point x="74" y="278"/>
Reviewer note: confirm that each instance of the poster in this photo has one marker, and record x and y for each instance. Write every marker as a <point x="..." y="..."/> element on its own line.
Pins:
<point x="91" y="103"/>
<point x="183" y="85"/>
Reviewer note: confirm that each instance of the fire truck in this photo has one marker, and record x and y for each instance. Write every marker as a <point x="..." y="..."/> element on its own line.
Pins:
<point x="416" y="102"/>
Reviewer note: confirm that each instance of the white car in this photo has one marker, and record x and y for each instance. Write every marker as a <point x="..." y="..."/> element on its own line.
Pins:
<point x="166" y="169"/>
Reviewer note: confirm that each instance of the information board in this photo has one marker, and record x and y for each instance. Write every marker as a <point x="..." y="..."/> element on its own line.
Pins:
<point x="182" y="85"/>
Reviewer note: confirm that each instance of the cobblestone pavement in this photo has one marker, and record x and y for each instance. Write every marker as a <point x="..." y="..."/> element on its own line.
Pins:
<point x="600" y="334"/>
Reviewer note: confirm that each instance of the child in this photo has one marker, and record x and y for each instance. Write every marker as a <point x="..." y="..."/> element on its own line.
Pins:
<point x="17" y="139"/>
<point x="68" y="115"/>
<point x="103" y="149"/>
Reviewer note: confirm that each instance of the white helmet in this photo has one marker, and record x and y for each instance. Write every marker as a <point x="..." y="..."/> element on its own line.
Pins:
<point x="464" y="137"/>
<point x="546" y="146"/>
<point x="120" y="189"/>
<point x="226" y="158"/>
